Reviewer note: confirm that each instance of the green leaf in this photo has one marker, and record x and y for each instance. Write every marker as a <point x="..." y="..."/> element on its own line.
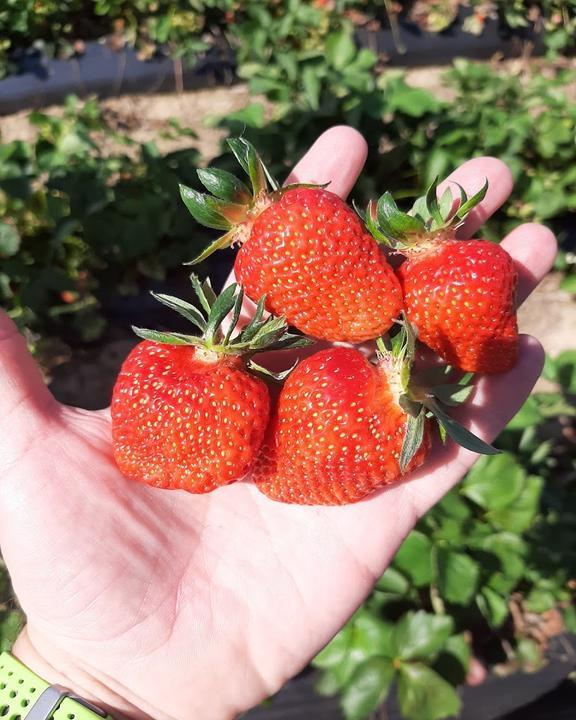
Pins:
<point x="188" y="311"/>
<point x="570" y="618"/>
<point x="424" y="695"/>
<point x="432" y="204"/>
<point x="493" y="606"/>
<point x="392" y="221"/>
<point x="453" y="506"/>
<point x="454" y="659"/>
<point x="9" y="240"/>
<point x="529" y="655"/>
<point x="414" y="558"/>
<point x="471" y="202"/>
<point x="495" y="482"/>
<point x="510" y="551"/>
<point x="204" y="292"/>
<point x="203" y="209"/>
<point x="458" y="576"/>
<point x="165" y="338"/>
<point x="236" y="310"/>
<point x="224" y="185"/>
<point x="566" y="370"/>
<point x="452" y="394"/>
<point x="519" y="515"/>
<point x="568" y="284"/>
<point x="373" y="635"/>
<point x="253" y="115"/>
<point x="327" y="684"/>
<point x="312" y="85"/>
<point x="223" y="305"/>
<point x="368" y="688"/>
<point x="446" y="203"/>
<point x="412" y="101"/>
<point x="528" y="415"/>
<point x="335" y="651"/>
<point x="459" y="433"/>
<point x="393" y="582"/>
<point x="11" y="623"/>
<point x="250" y="161"/>
<point x="420" y="636"/>
<point x="339" y="49"/>
<point x="364" y="636"/>
<point x="539" y="600"/>
<point x="412" y="439"/>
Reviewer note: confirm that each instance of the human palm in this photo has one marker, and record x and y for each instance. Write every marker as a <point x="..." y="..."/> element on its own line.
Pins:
<point x="171" y="605"/>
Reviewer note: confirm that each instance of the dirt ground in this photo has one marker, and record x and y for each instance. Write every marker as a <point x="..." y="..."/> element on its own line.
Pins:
<point x="550" y="314"/>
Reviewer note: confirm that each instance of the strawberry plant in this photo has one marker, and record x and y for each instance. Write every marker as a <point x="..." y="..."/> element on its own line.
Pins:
<point x="483" y="573"/>
<point x="91" y="229"/>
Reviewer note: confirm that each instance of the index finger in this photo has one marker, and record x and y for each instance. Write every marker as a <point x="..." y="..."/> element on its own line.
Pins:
<point x="337" y="158"/>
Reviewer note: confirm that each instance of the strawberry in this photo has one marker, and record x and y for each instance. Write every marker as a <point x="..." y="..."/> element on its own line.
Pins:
<point x="187" y="412"/>
<point x="344" y="426"/>
<point x="459" y="294"/>
<point x="302" y="247"/>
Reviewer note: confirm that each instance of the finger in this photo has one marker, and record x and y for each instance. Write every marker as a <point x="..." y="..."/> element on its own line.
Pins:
<point x="24" y="398"/>
<point x="337" y="157"/>
<point x="472" y="176"/>
<point x="533" y="248"/>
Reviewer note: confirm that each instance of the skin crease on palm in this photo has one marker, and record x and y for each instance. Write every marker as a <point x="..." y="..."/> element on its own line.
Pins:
<point x="170" y="605"/>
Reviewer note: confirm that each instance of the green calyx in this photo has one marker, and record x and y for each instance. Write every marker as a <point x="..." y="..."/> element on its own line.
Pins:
<point x="428" y="216"/>
<point x="259" y="334"/>
<point x="424" y="396"/>
<point x="231" y="205"/>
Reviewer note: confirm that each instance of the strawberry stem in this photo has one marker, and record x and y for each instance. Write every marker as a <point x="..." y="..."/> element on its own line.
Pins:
<point x="270" y="333"/>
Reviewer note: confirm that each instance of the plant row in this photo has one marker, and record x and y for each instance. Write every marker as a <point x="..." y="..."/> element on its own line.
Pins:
<point x="293" y="29"/>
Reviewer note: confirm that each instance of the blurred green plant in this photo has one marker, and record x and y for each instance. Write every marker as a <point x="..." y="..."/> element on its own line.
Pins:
<point x="481" y="573"/>
<point x="280" y="44"/>
<point x="78" y="225"/>
<point x="526" y="120"/>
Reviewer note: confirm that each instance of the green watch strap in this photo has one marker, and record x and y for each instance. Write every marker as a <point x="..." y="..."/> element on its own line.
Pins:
<point x="24" y="694"/>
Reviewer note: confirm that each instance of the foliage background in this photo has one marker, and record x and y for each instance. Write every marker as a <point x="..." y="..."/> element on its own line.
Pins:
<point x="83" y="231"/>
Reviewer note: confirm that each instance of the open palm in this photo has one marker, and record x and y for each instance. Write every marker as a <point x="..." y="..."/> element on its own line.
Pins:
<point x="170" y="605"/>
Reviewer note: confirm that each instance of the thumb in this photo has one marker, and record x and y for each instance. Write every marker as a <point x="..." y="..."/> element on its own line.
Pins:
<point x="25" y="401"/>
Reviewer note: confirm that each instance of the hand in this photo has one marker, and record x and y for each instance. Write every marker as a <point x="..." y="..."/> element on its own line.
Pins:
<point x="170" y="605"/>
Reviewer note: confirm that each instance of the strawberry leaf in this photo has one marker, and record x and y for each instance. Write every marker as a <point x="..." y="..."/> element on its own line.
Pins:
<point x="223" y="305"/>
<point x="470" y="203"/>
<point x="248" y="158"/>
<point x="452" y="394"/>
<point x="223" y="241"/>
<point x="203" y="208"/>
<point x="412" y="439"/>
<point x="166" y="338"/>
<point x="446" y="204"/>
<point x="207" y="299"/>
<point x="185" y="309"/>
<point x="432" y="205"/>
<point x="392" y="221"/>
<point x="236" y="310"/>
<point x="270" y="374"/>
<point x="224" y="185"/>
<point x="458" y="432"/>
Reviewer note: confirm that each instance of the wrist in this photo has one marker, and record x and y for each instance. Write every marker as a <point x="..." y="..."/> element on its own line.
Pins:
<point x="56" y="669"/>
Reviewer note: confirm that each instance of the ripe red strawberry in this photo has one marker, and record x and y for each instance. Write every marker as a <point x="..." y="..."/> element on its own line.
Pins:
<point x="302" y="247"/>
<point x="459" y="294"/>
<point x="186" y="411"/>
<point x="344" y="427"/>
